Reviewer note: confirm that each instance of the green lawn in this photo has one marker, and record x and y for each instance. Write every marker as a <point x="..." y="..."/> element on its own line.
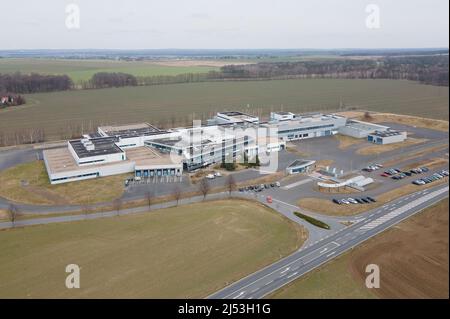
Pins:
<point x="164" y="104"/>
<point x="185" y="252"/>
<point x="28" y="183"/>
<point x="82" y="70"/>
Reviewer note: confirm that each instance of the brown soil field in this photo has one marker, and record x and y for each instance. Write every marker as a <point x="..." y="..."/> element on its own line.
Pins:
<point x="413" y="257"/>
<point x="439" y="125"/>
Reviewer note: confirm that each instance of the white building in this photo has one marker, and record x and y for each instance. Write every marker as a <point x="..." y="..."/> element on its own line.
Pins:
<point x="387" y="137"/>
<point x="305" y="126"/>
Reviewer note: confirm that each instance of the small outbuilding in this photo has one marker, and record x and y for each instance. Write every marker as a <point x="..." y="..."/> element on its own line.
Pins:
<point x="300" y="166"/>
<point x="387" y="137"/>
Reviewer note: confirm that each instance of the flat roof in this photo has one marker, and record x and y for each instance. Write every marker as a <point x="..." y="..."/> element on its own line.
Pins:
<point x="386" y="133"/>
<point x="238" y="115"/>
<point x="131" y="130"/>
<point x="102" y="146"/>
<point x="60" y="160"/>
<point x="146" y="156"/>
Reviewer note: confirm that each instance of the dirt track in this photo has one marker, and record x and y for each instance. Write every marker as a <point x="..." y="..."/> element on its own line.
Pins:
<point x="413" y="257"/>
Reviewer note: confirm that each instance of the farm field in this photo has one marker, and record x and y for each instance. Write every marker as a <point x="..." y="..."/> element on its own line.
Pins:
<point x="82" y="70"/>
<point x="166" y="105"/>
<point x="416" y="266"/>
<point x="183" y="252"/>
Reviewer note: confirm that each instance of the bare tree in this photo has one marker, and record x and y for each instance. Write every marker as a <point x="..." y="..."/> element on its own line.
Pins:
<point x="117" y="205"/>
<point x="149" y="196"/>
<point x="204" y="187"/>
<point x="230" y="182"/>
<point x="177" y="193"/>
<point x="13" y="214"/>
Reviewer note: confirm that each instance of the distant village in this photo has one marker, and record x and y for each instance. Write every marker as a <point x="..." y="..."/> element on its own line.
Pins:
<point x="7" y="99"/>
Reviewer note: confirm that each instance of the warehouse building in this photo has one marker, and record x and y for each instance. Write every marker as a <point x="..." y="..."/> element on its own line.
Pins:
<point x="360" y="129"/>
<point x="296" y="127"/>
<point x="387" y="137"/>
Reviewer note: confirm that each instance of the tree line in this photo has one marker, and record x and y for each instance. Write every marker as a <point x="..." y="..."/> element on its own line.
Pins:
<point x="424" y="69"/>
<point x="34" y="83"/>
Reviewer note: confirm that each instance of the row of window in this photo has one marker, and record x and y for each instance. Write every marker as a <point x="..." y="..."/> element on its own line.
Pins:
<point x="92" y="162"/>
<point x="73" y="177"/>
<point x="305" y="129"/>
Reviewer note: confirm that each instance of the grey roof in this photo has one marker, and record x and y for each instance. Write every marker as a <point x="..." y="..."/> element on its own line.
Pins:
<point x="386" y="133"/>
<point x="103" y="146"/>
<point x="144" y="131"/>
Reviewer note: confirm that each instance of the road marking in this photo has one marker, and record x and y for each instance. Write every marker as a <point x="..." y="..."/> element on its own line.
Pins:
<point x="323" y="250"/>
<point x="292" y="275"/>
<point x="289" y="186"/>
<point x="287" y="269"/>
<point x="331" y="254"/>
<point x="240" y="294"/>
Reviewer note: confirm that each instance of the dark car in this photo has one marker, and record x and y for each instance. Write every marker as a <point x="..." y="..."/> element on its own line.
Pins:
<point x="359" y="200"/>
<point x="336" y="201"/>
<point x="424" y="169"/>
<point x="371" y="199"/>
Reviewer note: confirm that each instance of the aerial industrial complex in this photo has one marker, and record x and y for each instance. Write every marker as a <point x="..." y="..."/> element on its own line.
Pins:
<point x="228" y="137"/>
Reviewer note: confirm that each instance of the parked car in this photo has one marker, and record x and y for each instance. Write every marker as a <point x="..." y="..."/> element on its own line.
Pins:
<point x="345" y="201"/>
<point x="277" y="184"/>
<point x="336" y="201"/>
<point x="352" y="200"/>
<point x="371" y="199"/>
<point x="359" y="201"/>
<point x="419" y="182"/>
<point x="424" y="169"/>
<point x="210" y="176"/>
<point x="217" y="174"/>
<point x="445" y="173"/>
<point x="407" y="173"/>
<point x="365" y="200"/>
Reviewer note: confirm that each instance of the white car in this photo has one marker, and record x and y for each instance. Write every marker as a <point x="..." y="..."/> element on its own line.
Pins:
<point x="217" y="174"/>
<point x="345" y="201"/>
<point x="353" y="201"/>
<point x="277" y="184"/>
<point x="210" y="176"/>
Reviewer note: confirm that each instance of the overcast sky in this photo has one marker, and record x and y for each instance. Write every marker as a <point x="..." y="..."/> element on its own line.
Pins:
<point x="227" y="24"/>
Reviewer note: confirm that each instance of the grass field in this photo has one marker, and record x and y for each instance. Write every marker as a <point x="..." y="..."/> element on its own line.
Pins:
<point x="28" y="183"/>
<point x="82" y="70"/>
<point x="185" y="252"/>
<point x="162" y="104"/>
<point x="416" y="266"/>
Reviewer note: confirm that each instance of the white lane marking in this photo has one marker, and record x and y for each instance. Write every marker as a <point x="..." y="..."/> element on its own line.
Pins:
<point x="289" y="186"/>
<point x="240" y="294"/>
<point x="292" y="275"/>
<point x="323" y="250"/>
<point x="398" y="211"/>
<point x="331" y="254"/>
<point x="287" y="269"/>
<point x="268" y="283"/>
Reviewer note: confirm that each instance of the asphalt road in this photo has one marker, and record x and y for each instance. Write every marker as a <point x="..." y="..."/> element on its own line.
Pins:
<point x="275" y="276"/>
